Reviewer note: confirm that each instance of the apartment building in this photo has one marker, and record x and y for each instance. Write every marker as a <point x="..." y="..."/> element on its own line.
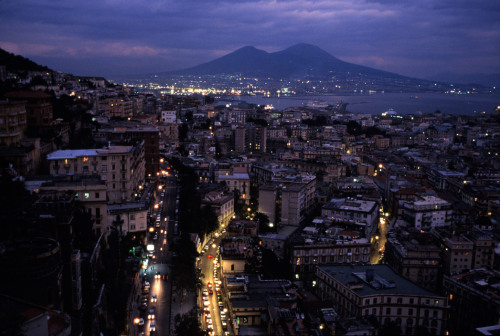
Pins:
<point x="427" y="212"/>
<point x="12" y="122"/>
<point x="310" y="252"/>
<point x="121" y="167"/>
<point x="222" y="204"/>
<point x="377" y="291"/>
<point x="90" y="190"/>
<point x="128" y="217"/>
<point x="125" y="133"/>
<point x="236" y="179"/>
<point x="416" y="257"/>
<point x="287" y="203"/>
<point x="360" y="213"/>
<point x="474" y="300"/>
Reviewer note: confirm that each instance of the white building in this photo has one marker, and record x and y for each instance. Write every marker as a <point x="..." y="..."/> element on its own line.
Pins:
<point x="360" y="213"/>
<point x="128" y="217"/>
<point x="426" y="212"/>
<point x="169" y="117"/>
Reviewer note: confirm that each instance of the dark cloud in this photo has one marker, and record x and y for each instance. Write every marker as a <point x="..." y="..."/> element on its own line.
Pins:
<point x="132" y="36"/>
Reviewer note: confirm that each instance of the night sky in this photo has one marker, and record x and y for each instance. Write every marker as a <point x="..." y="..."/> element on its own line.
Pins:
<point x="110" y="37"/>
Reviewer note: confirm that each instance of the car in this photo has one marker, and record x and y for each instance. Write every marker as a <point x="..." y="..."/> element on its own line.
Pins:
<point x="206" y="303"/>
<point x="154" y="298"/>
<point x="222" y="315"/>
<point x="152" y="326"/>
<point x="208" y="320"/>
<point x="151" y="315"/>
<point x="205" y="292"/>
<point x="206" y="309"/>
<point x="224" y="324"/>
<point x="155" y="236"/>
<point x="157" y="275"/>
<point x="139" y="321"/>
<point x="143" y="307"/>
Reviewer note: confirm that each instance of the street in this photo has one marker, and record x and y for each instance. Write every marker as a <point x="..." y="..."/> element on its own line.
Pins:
<point x="156" y="278"/>
<point x="212" y="296"/>
<point x="380" y="240"/>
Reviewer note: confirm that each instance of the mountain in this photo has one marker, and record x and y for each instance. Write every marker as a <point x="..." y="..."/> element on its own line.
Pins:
<point x="16" y="63"/>
<point x="299" y="61"/>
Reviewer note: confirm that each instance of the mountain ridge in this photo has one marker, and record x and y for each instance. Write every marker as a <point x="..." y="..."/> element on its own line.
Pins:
<point x="300" y="60"/>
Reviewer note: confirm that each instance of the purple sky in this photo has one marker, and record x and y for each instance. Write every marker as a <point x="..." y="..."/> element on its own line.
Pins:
<point x="109" y="37"/>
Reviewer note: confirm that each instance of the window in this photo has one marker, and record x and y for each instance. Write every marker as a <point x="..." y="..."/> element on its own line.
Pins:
<point x="389" y="300"/>
<point x="96" y="195"/>
<point x="104" y="168"/>
<point x="86" y="195"/>
<point x="388" y="311"/>
<point x="399" y="311"/>
<point x="232" y="267"/>
<point x="132" y="216"/>
<point x="410" y="312"/>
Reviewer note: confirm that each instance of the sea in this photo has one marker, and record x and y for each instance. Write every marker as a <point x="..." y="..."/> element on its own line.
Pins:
<point x="377" y="103"/>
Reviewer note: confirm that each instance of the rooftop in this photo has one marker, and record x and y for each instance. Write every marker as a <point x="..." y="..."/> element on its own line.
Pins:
<point x="383" y="280"/>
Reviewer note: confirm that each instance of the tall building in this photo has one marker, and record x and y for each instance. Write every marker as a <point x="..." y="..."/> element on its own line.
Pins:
<point x="128" y="133"/>
<point x="287" y="203"/>
<point x="121" y="167"/>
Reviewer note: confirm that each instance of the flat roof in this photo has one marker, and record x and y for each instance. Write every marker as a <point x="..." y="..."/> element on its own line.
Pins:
<point x="386" y="281"/>
<point x="75" y="153"/>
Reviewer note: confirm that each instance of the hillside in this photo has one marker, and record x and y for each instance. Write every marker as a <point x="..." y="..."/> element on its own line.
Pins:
<point x="16" y="63"/>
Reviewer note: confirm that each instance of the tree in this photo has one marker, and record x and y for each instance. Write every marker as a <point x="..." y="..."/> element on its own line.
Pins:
<point x="188" y="324"/>
<point x="183" y="131"/>
<point x="263" y="220"/>
<point x="273" y="267"/>
<point x="390" y="328"/>
<point x="353" y="128"/>
<point x="183" y="264"/>
<point x="209" y="219"/>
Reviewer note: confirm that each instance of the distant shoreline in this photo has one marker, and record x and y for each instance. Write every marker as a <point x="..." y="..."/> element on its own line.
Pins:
<point x="403" y="103"/>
